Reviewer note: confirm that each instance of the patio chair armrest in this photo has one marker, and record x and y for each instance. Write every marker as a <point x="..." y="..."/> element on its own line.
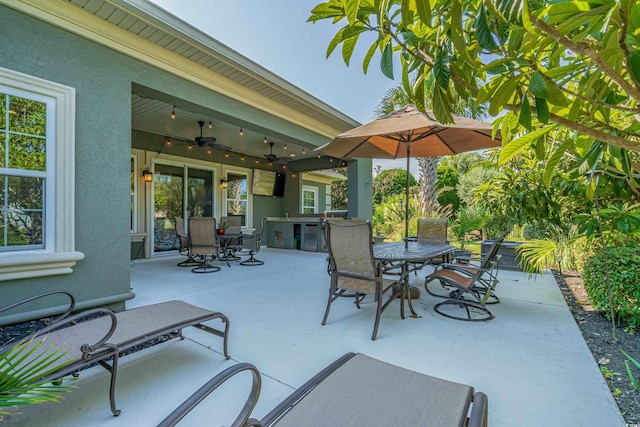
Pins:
<point x="192" y="401"/>
<point x="464" y="269"/>
<point x="49" y="321"/>
<point x="87" y="349"/>
<point x="353" y="275"/>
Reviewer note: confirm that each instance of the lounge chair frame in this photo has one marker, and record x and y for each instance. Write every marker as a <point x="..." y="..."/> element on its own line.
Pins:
<point x="117" y="332"/>
<point x="443" y="402"/>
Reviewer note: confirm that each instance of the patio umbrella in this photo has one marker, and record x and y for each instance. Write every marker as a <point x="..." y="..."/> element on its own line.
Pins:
<point x="408" y="133"/>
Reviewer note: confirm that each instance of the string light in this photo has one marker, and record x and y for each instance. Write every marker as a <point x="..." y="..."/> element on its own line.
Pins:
<point x="226" y="154"/>
<point x="293" y="175"/>
<point x="304" y="151"/>
<point x="242" y="157"/>
<point x="265" y="140"/>
<point x="257" y="161"/>
<point x="284" y="166"/>
<point x="331" y="159"/>
<point x="241" y="132"/>
<point x="285" y="146"/>
<point x="208" y="151"/>
<point x="173" y="112"/>
<point x="168" y="141"/>
<point x="189" y="147"/>
<point x="210" y="124"/>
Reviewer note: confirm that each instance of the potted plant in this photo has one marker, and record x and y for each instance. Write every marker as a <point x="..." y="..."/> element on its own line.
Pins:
<point x="222" y="228"/>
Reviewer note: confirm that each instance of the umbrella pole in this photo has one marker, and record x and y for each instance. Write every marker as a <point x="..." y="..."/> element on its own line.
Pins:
<point x="406" y="209"/>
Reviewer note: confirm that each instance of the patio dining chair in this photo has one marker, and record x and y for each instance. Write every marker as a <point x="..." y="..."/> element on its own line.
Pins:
<point x="250" y="245"/>
<point x="467" y="284"/>
<point x="202" y="233"/>
<point x="353" y="269"/>
<point x="185" y="245"/>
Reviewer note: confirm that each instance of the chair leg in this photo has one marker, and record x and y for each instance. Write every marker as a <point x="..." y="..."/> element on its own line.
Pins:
<point x="326" y="312"/>
<point x="379" y="309"/>
<point x="206" y="266"/>
<point x="251" y="261"/>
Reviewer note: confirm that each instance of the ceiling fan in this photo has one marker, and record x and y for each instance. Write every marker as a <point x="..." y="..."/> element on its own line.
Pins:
<point x="273" y="158"/>
<point x="203" y="141"/>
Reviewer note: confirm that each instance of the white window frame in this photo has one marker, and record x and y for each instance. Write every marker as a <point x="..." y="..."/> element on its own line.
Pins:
<point x="248" y="176"/>
<point x="59" y="255"/>
<point x="313" y="190"/>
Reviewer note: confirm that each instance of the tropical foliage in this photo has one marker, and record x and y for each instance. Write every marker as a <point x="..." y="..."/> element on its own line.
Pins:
<point x="21" y="368"/>
<point x="572" y="65"/>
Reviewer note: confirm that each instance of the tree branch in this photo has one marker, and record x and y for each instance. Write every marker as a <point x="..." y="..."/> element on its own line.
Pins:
<point x="587" y="50"/>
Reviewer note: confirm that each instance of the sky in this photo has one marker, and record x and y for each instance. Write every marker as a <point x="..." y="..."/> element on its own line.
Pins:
<point x="275" y="35"/>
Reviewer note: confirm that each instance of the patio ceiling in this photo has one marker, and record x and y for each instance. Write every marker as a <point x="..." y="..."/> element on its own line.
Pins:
<point x="154" y="116"/>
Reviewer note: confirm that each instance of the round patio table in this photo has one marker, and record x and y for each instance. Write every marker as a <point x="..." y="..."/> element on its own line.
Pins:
<point x="405" y="254"/>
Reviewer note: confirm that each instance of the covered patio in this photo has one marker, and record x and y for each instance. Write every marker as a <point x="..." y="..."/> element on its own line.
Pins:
<point x="531" y="360"/>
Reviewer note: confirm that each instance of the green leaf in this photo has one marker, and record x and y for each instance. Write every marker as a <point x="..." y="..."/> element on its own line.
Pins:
<point x="368" y="56"/>
<point x="457" y="31"/>
<point x="538" y="86"/>
<point x="515" y="146"/>
<point x="351" y="10"/>
<point x="347" y="48"/>
<point x="483" y="33"/>
<point x="510" y="10"/>
<point x="441" y="105"/>
<point x="407" y="7"/>
<point x="553" y="161"/>
<point x="634" y="64"/>
<point x="423" y="7"/>
<point x="524" y="118"/>
<point x="542" y="110"/>
<point x="441" y="69"/>
<point x="503" y="95"/>
<point x="386" y="62"/>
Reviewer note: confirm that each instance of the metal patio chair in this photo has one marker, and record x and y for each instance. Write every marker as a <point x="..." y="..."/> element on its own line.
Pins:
<point x="353" y="269"/>
<point x="202" y="233"/>
<point x="250" y="245"/>
<point x="185" y="245"/>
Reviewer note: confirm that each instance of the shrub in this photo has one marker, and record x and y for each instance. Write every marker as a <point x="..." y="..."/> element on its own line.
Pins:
<point x="624" y="275"/>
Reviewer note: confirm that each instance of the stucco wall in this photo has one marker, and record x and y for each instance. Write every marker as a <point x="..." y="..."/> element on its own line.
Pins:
<point x="103" y="80"/>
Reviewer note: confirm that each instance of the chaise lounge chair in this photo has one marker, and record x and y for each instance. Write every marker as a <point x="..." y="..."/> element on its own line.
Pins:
<point x="101" y="336"/>
<point x="356" y="390"/>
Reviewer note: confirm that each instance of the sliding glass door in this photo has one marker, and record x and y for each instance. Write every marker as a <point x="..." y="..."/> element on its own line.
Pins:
<point x="174" y="196"/>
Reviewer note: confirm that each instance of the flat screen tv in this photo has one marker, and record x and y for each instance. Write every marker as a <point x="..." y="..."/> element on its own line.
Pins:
<point x="263" y="182"/>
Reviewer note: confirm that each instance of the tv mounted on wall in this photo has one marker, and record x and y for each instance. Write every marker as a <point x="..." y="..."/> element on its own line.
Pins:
<point x="267" y="183"/>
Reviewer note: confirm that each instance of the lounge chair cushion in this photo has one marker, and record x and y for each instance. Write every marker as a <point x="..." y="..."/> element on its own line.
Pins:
<point x="408" y="398"/>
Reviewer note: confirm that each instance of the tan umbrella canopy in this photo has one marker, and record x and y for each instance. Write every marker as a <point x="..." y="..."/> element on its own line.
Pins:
<point x="408" y="133"/>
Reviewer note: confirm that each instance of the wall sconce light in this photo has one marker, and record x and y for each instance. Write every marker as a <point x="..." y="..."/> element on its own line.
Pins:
<point x="173" y="112"/>
<point x="241" y="132"/>
<point x="147" y="175"/>
<point x="224" y="183"/>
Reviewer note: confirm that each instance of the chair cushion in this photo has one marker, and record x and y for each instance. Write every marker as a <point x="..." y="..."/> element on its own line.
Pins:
<point x="369" y="392"/>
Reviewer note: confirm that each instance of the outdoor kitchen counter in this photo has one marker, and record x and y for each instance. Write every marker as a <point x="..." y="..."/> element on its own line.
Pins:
<point x="303" y="233"/>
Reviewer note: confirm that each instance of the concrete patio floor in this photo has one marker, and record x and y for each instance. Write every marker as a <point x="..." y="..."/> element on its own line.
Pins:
<point x="531" y="360"/>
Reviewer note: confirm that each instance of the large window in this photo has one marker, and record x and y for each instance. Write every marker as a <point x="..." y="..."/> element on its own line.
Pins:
<point x="236" y="196"/>
<point x="309" y="199"/>
<point x="23" y="171"/>
<point x="37" y="177"/>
